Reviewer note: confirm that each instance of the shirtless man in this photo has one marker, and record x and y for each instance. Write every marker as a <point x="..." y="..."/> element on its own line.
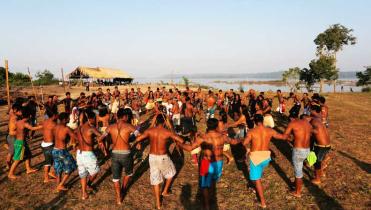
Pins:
<point x="176" y="114"/>
<point x="189" y="125"/>
<point x="121" y="153"/>
<point x="281" y="102"/>
<point x="63" y="160"/>
<point x="13" y="114"/>
<point x="87" y="162"/>
<point x="217" y="140"/>
<point x="301" y="129"/>
<point x="322" y="143"/>
<point x="160" y="163"/>
<point x="211" y="105"/>
<point x="324" y="110"/>
<point x="260" y="137"/>
<point x="21" y="149"/>
<point x="47" y="144"/>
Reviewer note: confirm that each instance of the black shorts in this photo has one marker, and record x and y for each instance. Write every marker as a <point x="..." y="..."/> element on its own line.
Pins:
<point x="47" y="151"/>
<point x="321" y="153"/>
<point x="119" y="162"/>
<point x="188" y="125"/>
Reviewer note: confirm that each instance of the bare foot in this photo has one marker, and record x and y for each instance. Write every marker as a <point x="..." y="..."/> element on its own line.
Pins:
<point x="316" y="182"/>
<point x="84" y="197"/>
<point x="166" y="194"/>
<point x="52" y="175"/>
<point x="263" y="206"/>
<point x="230" y="160"/>
<point x="293" y="193"/>
<point x="31" y="171"/>
<point x="61" y="188"/>
<point x="12" y="177"/>
<point x="48" y="180"/>
<point x="118" y="201"/>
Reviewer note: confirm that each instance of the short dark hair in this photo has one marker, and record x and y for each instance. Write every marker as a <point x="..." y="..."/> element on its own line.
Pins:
<point x="160" y="119"/>
<point x="322" y="99"/>
<point x="258" y="118"/>
<point x="63" y="116"/>
<point x="25" y="112"/>
<point x="212" y="124"/>
<point x="16" y="107"/>
<point x="316" y="108"/>
<point x="124" y="112"/>
<point x="68" y="93"/>
<point x="90" y="114"/>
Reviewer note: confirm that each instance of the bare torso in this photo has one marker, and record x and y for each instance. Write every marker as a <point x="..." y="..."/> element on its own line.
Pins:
<point x="302" y="130"/>
<point x="120" y="133"/>
<point x="48" y="126"/>
<point x="320" y="132"/>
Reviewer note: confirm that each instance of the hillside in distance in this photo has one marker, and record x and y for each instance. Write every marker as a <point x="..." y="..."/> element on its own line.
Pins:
<point x="277" y="75"/>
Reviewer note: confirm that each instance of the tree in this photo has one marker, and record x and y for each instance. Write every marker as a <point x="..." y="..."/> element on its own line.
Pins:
<point x="323" y="69"/>
<point x="186" y="81"/>
<point x="19" y="79"/>
<point x="45" y="78"/>
<point x="292" y="78"/>
<point x="364" y="77"/>
<point x="331" y="41"/>
<point x="308" y="77"/>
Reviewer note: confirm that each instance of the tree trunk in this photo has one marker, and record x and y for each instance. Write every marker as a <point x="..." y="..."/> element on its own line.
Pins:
<point x="320" y="85"/>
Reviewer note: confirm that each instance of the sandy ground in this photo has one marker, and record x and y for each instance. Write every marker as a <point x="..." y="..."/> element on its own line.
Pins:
<point x="346" y="185"/>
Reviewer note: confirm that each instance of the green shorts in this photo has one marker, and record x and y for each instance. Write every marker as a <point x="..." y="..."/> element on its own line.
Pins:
<point x="21" y="150"/>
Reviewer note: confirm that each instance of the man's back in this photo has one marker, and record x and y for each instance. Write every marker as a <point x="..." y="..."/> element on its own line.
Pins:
<point x="84" y="137"/>
<point x="120" y="133"/>
<point x="217" y="140"/>
<point x="60" y="133"/>
<point x="260" y="136"/>
<point x="302" y="131"/>
<point x="320" y="132"/>
<point x="20" y="129"/>
<point x="48" y="126"/>
<point x="158" y="137"/>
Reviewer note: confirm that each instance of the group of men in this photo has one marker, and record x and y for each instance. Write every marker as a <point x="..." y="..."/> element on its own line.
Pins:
<point x="113" y="123"/>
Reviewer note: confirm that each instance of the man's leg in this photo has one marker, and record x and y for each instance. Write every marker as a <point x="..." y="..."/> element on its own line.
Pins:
<point x="157" y="195"/>
<point x="9" y="160"/>
<point x="125" y="182"/>
<point x="12" y="169"/>
<point x="116" y="185"/>
<point x="90" y="181"/>
<point x="61" y="186"/>
<point x="259" y="190"/>
<point x="165" y="192"/>
<point x="46" y="174"/>
<point x="298" y="187"/>
<point x="83" y="188"/>
<point x="29" y="169"/>
<point x="206" y="203"/>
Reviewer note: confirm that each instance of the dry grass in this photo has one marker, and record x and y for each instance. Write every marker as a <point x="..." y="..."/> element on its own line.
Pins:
<point x="346" y="185"/>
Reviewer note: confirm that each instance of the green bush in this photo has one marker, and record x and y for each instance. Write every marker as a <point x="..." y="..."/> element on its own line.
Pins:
<point x="366" y="89"/>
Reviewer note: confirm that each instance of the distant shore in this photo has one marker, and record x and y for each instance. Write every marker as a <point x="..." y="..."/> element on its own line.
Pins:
<point x="278" y="82"/>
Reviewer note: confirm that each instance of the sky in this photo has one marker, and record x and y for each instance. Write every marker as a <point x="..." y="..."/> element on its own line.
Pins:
<point x="158" y="37"/>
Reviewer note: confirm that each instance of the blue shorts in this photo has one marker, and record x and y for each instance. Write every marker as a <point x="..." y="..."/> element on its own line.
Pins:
<point x="63" y="161"/>
<point x="256" y="172"/>
<point x="213" y="175"/>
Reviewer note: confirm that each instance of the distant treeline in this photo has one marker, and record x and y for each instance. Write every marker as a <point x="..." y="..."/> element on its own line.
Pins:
<point x="20" y="79"/>
<point x="277" y="75"/>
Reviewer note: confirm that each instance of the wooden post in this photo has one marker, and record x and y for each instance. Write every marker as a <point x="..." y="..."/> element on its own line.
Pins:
<point x="33" y="88"/>
<point x="7" y="82"/>
<point x="64" y="87"/>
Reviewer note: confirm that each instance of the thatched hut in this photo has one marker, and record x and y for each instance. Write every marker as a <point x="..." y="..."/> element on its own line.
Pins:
<point x="100" y="75"/>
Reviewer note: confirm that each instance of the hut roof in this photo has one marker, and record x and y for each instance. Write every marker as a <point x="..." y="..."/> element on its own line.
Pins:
<point x="99" y="73"/>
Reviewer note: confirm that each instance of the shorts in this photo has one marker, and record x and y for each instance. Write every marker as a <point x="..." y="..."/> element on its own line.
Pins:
<point x="210" y="112"/>
<point x="256" y="172"/>
<point x="213" y="175"/>
<point x="10" y="140"/>
<point x="63" y="161"/>
<point x="21" y="150"/>
<point x="226" y="147"/>
<point x="176" y="119"/>
<point x="321" y="152"/>
<point x="299" y="155"/>
<point x="188" y="125"/>
<point x="87" y="163"/>
<point x="121" y="161"/>
<point x="47" y="151"/>
<point x="160" y="167"/>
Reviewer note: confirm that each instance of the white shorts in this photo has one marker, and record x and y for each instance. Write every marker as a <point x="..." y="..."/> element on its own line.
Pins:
<point x="160" y="167"/>
<point x="176" y="119"/>
<point x="87" y="163"/>
<point x="268" y="121"/>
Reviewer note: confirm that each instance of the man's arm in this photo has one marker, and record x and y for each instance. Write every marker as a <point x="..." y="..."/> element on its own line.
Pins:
<point x="247" y="139"/>
<point x="194" y="145"/>
<point x="30" y="127"/>
<point x="142" y="137"/>
<point x="176" y="138"/>
<point x="231" y="141"/>
<point x="288" y="131"/>
<point x="277" y="135"/>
